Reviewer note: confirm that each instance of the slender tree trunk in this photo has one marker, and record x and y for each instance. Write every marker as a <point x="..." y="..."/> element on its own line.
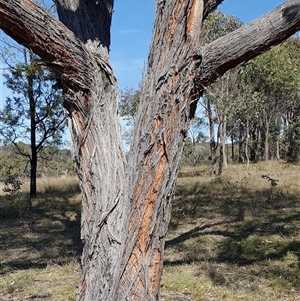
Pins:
<point x="32" y="112"/>
<point x="33" y="172"/>
<point x="223" y="157"/>
<point x="266" y="139"/>
<point x="246" y="146"/>
<point x="277" y="150"/>
<point x="232" y="148"/>
<point x="241" y="142"/>
<point x="213" y="145"/>
<point x="194" y="152"/>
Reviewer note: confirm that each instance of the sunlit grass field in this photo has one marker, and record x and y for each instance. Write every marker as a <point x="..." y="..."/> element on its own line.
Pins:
<point x="234" y="237"/>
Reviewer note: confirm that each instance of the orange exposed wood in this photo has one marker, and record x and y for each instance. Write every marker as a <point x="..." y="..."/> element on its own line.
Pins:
<point x="156" y="271"/>
<point x="173" y="22"/>
<point x="143" y="243"/>
<point x="151" y="198"/>
<point x="157" y="125"/>
<point x="193" y="17"/>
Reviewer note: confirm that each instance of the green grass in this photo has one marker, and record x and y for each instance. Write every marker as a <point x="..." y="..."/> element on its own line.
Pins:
<point x="230" y="238"/>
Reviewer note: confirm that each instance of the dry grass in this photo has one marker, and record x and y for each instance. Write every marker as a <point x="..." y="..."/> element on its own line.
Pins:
<point x="40" y="246"/>
<point x="235" y="237"/>
<point x="230" y="238"/>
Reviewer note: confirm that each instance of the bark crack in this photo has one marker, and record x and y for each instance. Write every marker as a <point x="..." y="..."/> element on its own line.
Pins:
<point x="103" y="221"/>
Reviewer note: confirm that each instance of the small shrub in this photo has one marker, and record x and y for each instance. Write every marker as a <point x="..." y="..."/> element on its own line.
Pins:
<point x="12" y="185"/>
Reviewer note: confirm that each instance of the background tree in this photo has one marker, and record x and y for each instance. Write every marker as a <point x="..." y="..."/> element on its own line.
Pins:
<point x="195" y="136"/>
<point x="219" y="97"/>
<point x="126" y="203"/>
<point x="128" y="104"/>
<point x="270" y="87"/>
<point x="33" y="113"/>
<point x="274" y="79"/>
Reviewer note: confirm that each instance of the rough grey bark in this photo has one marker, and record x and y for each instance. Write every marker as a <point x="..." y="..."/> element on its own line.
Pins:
<point x="126" y="206"/>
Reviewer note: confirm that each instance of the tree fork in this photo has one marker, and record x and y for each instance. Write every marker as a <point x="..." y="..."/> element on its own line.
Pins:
<point x="126" y="207"/>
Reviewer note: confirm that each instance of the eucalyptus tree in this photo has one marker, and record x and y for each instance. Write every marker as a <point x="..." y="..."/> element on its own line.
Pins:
<point x="126" y="203"/>
<point x="219" y="98"/>
<point x="196" y="136"/>
<point x="291" y="115"/>
<point x="274" y="79"/>
<point x="128" y="104"/>
<point x="33" y="113"/>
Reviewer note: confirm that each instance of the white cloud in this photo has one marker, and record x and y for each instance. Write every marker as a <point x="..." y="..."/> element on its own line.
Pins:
<point x="127" y="32"/>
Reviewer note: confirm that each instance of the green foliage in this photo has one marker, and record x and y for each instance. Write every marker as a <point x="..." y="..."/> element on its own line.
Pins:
<point x="128" y="104"/>
<point x="54" y="162"/>
<point x="260" y="99"/>
<point x="292" y="140"/>
<point x="219" y="24"/>
<point x="34" y="105"/>
<point x="12" y="185"/>
<point x="273" y="74"/>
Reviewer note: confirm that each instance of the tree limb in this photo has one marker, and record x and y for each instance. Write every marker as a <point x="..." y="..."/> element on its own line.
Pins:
<point x="249" y="41"/>
<point x="70" y="11"/>
<point x="32" y="26"/>
<point x="210" y="6"/>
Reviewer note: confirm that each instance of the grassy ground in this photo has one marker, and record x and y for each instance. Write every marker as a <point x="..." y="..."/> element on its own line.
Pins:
<point x="40" y="247"/>
<point x="234" y="237"/>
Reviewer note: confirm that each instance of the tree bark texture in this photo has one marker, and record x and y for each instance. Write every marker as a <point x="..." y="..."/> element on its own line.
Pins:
<point x="126" y="205"/>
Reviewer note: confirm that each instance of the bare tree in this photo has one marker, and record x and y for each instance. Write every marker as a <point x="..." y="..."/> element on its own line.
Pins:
<point x="126" y="204"/>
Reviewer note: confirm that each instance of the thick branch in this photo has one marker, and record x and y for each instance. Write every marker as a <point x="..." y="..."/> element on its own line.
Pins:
<point x="32" y="26"/>
<point x="71" y="11"/>
<point x="209" y="6"/>
<point x="249" y="41"/>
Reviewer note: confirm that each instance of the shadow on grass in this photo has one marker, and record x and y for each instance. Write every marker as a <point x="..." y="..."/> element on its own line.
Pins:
<point x="48" y="232"/>
<point x="247" y="225"/>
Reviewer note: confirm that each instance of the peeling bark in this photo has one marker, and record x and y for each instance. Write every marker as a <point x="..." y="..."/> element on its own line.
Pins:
<point x="126" y="206"/>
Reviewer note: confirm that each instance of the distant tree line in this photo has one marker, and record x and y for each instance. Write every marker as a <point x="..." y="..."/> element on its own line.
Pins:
<point x="255" y="106"/>
<point x="53" y="162"/>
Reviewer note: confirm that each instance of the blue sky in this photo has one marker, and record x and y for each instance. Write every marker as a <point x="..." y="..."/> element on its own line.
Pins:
<point x="132" y="30"/>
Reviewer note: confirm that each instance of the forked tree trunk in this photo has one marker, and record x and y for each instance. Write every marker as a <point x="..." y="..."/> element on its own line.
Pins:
<point x="126" y="205"/>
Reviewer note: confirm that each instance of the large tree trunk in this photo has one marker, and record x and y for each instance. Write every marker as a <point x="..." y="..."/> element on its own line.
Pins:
<point x="126" y="206"/>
